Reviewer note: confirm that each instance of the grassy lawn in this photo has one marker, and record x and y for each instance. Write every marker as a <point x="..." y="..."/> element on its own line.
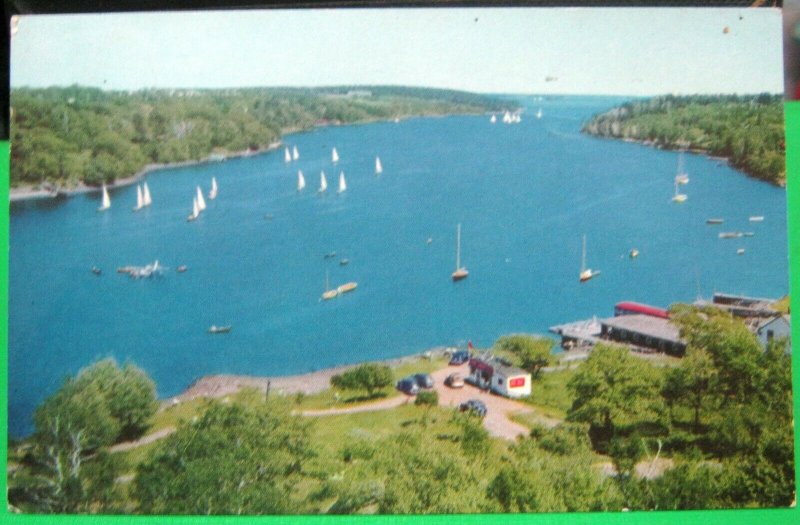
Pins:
<point x="550" y="394"/>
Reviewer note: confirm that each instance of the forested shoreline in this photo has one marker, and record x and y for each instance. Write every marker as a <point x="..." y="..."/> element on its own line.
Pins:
<point x="747" y="130"/>
<point x="71" y="136"/>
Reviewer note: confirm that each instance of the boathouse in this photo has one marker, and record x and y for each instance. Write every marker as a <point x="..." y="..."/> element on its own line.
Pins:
<point x="497" y="376"/>
<point x="645" y="333"/>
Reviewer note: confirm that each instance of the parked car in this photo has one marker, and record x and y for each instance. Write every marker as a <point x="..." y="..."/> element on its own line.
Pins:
<point x="423" y="380"/>
<point x="408" y="385"/>
<point x="454" y="381"/>
<point x="475" y="406"/>
<point x="460" y="357"/>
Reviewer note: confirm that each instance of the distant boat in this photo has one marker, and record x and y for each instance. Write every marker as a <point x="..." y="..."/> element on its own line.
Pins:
<point x="201" y="202"/>
<point x="539" y="113"/>
<point x="182" y="268"/>
<point x="586" y="273"/>
<point x="195" y="211"/>
<point x="681" y="177"/>
<point x="730" y="235"/>
<point x="347" y="287"/>
<point x="334" y="156"/>
<point x="756" y="218"/>
<point x="378" y="166"/>
<point x="714" y="221"/>
<point x="287" y="156"/>
<point x="295" y="153"/>
<point x="214" y="329"/>
<point x="634" y="253"/>
<point x="493" y="119"/>
<point x="213" y="193"/>
<point x="106" y="200"/>
<point x="323" y="184"/>
<point x="507" y="118"/>
<point x="461" y="272"/>
<point x="740" y="251"/>
<point x="678" y="197"/>
<point x="344" y="262"/>
<point x="139" y="198"/>
<point x="342" y="183"/>
<point x="516" y="118"/>
<point x="96" y="270"/>
<point x="301" y="181"/>
<point x="146" y="199"/>
<point x="328" y="293"/>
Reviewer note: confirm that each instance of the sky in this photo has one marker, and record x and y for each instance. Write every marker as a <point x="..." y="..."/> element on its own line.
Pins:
<point x="621" y="51"/>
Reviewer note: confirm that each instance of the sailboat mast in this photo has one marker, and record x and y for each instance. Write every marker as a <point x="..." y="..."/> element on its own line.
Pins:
<point x="583" y="254"/>
<point x="458" y="247"/>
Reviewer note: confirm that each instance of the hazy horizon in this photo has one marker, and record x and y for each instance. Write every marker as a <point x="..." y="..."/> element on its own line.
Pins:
<point x="537" y="51"/>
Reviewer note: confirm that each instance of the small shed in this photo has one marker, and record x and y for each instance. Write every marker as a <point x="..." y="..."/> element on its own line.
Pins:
<point x="499" y="377"/>
<point x="778" y="327"/>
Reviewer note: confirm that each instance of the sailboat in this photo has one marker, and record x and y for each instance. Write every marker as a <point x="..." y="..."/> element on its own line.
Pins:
<point x="539" y="113"/>
<point x="323" y="184"/>
<point x="493" y="120"/>
<point x="342" y="183"/>
<point x="139" y="198"/>
<point x="106" y="200"/>
<point x="682" y="177"/>
<point x="213" y="193"/>
<point x="334" y="156"/>
<point x="287" y="156"/>
<point x="295" y="153"/>
<point x="301" y="181"/>
<point x="329" y="293"/>
<point x="195" y="211"/>
<point x="507" y="118"/>
<point x="378" y="166"/>
<point x="201" y="202"/>
<point x="586" y="273"/>
<point x="678" y="197"/>
<point x="461" y="272"/>
<point x="146" y="199"/>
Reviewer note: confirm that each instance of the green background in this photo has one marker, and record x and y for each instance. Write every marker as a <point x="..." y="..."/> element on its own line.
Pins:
<point x="770" y="516"/>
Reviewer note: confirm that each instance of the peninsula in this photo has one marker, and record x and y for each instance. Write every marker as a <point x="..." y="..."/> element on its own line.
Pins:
<point x="746" y="130"/>
<point x="73" y="137"/>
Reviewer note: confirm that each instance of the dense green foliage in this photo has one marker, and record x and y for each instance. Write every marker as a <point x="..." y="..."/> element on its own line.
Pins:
<point x="748" y="130"/>
<point x="369" y="377"/>
<point x="66" y="466"/>
<point x="234" y="459"/>
<point x="533" y="353"/>
<point x="78" y="134"/>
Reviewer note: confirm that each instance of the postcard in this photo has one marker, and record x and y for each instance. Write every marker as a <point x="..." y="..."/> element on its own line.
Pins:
<point x="398" y="261"/>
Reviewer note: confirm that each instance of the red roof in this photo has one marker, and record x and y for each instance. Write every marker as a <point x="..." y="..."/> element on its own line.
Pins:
<point x="640" y="308"/>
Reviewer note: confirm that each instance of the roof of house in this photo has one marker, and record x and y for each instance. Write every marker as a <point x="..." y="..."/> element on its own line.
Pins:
<point x="766" y="322"/>
<point x="646" y="325"/>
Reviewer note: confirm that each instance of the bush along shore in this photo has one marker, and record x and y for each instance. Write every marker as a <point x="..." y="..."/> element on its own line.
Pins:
<point x="746" y="130"/>
<point x="80" y="137"/>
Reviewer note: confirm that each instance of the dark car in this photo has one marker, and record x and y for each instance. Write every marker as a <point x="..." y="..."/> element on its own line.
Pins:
<point x="423" y="380"/>
<point x="460" y="357"/>
<point x="474" y="406"/>
<point x="454" y="381"/>
<point x="408" y="385"/>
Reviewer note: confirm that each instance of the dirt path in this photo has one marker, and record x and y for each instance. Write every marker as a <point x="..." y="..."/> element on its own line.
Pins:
<point x="150" y="438"/>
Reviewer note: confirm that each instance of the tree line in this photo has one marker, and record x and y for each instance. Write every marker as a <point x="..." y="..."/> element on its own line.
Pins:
<point x="71" y="135"/>
<point x="747" y="130"/>
<point x="721" y="417"/>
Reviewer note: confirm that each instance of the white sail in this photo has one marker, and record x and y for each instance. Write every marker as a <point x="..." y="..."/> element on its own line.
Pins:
<point x="139" y="198"/>
<point x="493" y="119"/>
<point x="213" y="193"/>
<point x="378" y="166"/>
<point x="106" y="200"/>
<point x="295" y="153"/>
<point x="195" y="210"/>
<point x="301" y="181"/>
<point x="146" y="199"/>
<point x="287" y="157"/>
<point x="539" y="113"/>
<point x="323" y="184"/>
<point x="342" y="183"/>
<point x="334" y="156"/>
<point x="201" y="202"/>
<point x="507" y="117"/>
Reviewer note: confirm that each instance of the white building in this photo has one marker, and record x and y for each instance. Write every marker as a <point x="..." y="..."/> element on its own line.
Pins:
<point x="778" y="327"/>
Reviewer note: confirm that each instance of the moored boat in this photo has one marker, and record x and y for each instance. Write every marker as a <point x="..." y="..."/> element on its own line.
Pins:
<point x="347" y="287"/>
<point x="213" y="193"/>
<point x="301" y="181"/>
<point x="106" y="199"/>
<point x="756" y="218"/>
<point x="214" y="329"/>
<point x="714" y="221"/>
<point x="461" y="271"/>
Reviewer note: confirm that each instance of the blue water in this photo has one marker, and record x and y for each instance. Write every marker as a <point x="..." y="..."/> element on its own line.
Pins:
<point x="525" y="194"/>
